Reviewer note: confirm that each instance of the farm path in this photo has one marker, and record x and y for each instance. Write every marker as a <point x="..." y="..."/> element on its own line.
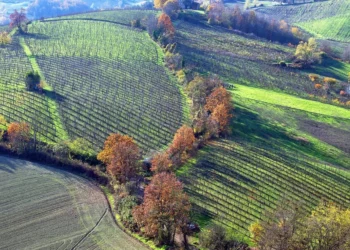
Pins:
<point x="51" y="100"/>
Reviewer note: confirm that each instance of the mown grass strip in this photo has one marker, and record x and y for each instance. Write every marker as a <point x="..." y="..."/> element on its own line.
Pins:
<point x="289" y="101"/>
<point x="53" y="109"/>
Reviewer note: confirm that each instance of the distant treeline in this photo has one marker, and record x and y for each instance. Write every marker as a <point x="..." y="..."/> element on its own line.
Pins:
<point x="250" y="22"/>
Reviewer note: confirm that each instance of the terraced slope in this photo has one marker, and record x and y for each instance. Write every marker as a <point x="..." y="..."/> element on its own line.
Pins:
<point x="43" y="208"/>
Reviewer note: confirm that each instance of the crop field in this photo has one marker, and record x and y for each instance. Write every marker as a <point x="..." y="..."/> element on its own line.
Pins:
<point x="327" y="20"/>
<point x="244" y="60"/>
<point x="281" y="147"/>
<point x="16" y="103"/>
<point x="46" y="208"/>
<point x="102" y="76"/>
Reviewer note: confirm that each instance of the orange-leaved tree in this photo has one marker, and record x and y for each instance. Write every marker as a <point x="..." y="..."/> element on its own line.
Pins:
<point x="121" y="155"/>
<point x="161" y="163"/>
<point x="19" y="135"/>
<point x="219" y="96"/>
<point x="165" y="24"/>
<point x="106" y="154"/>
<point x="222" y="114"/>
<point x="164" y="210"/>
<point x="124" y="160"/>
<point x="182" y="145"/>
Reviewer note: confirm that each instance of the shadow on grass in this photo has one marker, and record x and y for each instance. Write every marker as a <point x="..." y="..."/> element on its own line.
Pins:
<point x="249" y="127"/>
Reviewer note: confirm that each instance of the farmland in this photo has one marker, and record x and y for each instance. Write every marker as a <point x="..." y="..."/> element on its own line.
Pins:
<point x="124" y="98"/>
<point x="326" y="20"/>
<point x="275" y="152"/>
<point x="45" y="208"/>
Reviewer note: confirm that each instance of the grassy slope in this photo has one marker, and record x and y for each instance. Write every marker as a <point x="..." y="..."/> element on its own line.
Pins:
<point x="328" y="19"/>
<point x="270" y="155"/>
<point x="58" y="211"/>
<point x="281" y="145"/>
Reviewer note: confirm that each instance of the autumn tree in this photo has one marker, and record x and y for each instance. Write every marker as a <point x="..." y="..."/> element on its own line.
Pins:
<point x="165" y="209"/>
<point x="5" y="38"/>
<point x="171" y="8"/>
<point x="215" y="11"/>
<point x="166" y="30"/>
<point x="307" y="53"/>
<point x="219" y="96"/>
<point x="279" y="231"/>
<point x="182" y="145"/>
<point x="18" y="20"/>
<point x="124" y="159"/>
<point x="19" y="135"/>
<point x="112" y="140"/>
<point x="222" y="115"/>
<point x="328" y="227"/>
<point x="158" y="4"/>
<point x="161" y="163"/>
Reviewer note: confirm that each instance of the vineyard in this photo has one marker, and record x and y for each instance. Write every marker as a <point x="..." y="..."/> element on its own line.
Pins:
<point x="243" y="60"/>
<point x="123" y="17"/>
<point x="16" y="103"/>
<point x="45" y="208"/>
<point x="328" y="19"/>
<point x="233" y="184"/>
<point x="103" y="78"/>
<point x="277" y="150"/>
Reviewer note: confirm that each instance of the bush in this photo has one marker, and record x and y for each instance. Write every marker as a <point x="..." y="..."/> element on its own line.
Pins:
<point x="329" y="80"/>
<point x="136" y="23"/>
<point x="32" y="81"/>
<point x="5" y="38"/>
<point x="318" y="86"/>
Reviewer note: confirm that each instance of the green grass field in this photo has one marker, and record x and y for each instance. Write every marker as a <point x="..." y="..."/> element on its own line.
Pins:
<point x="45" y="208"/>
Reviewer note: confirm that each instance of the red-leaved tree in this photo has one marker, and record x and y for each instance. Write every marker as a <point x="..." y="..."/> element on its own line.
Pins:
<point x="18" y="19"/>
<point x="19" y="135"/>
<point x="165" y="209"/>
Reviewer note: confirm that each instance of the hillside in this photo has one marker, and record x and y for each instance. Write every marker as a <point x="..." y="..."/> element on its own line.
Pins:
<point x="286" y="138"/>
<point x="327" y="19"/>
<point x="46" y="208"/>
<point x="134" y="95"/>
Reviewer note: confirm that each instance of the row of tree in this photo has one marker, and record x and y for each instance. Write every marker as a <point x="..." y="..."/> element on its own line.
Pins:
<point x="250" y="22"/>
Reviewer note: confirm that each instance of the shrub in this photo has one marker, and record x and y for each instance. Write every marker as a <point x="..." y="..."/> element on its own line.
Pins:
<point x="329" y="80"/>
<point x="32" y="81"/>
<point x="307" y="53"/>
<point x="173" y="61"/>
<point x="5" y="38"/>
<point x="318" y="86"/>
<point x="342" y="93"/>
<point x="314" y="77"/>
<point x="19" y="136"/>
<point x="283" y="64"/>
<point x="136" y="23"/>
<point x="172" y="8"/>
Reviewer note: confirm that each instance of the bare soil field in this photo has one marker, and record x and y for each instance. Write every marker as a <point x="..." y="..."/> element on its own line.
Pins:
<point x="45" y="208"/>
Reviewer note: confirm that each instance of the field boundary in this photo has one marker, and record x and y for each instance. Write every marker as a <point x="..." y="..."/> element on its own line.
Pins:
<point x="53" y="109"/>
